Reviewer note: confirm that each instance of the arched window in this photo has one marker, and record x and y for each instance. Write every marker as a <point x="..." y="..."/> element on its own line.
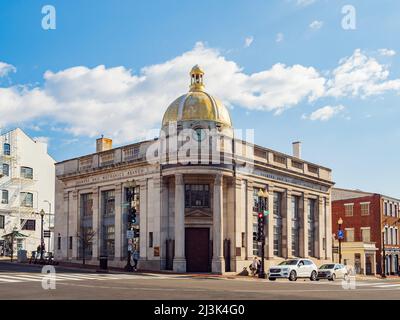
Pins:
<point x="26" y="173"/>
<point x="6" y="169"/>
<point x="6" y="149"/>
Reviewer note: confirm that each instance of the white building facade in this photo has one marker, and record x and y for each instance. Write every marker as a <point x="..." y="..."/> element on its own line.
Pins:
<point x="26" y="187"/>
<point x="196" y="215"/>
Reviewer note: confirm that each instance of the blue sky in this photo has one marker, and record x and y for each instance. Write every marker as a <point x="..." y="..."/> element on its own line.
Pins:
<point x="336" y="90"/>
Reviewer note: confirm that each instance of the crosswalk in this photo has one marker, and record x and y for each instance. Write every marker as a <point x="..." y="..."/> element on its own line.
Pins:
<point x="368" y="284"/>
<point x="15" y="277"/>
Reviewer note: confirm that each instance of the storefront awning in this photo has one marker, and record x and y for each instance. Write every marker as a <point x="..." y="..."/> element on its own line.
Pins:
<point x="15" y="234"/>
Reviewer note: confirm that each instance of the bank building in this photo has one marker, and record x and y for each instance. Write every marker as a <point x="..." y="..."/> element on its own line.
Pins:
<point x="196" y="191"/>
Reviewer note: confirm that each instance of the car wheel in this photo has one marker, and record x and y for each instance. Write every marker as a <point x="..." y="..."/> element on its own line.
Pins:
<point x="313" y="276"/>
<point x="272" y="279"/>
<point x="293" y="276"/>
<point x="333" y="277"/>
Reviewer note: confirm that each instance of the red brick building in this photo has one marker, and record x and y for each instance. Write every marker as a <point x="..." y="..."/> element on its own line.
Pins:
<point x="369" y="217"/>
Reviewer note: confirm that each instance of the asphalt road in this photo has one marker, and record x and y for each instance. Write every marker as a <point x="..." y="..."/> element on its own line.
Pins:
<point x="25" y="282"/>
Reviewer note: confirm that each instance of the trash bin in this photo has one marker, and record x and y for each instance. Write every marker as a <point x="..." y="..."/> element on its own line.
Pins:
<point x="22" y="256"/>
<point x="103" y="262"/>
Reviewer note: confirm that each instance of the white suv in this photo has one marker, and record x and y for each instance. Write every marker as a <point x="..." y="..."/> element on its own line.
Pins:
<point x="294" y="268"/>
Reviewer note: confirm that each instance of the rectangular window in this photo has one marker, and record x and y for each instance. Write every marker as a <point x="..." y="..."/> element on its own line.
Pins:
<point x="150" y="239"/>
<point x="364" y="209"/>
<point x="26" y="173"/>
<point x="29" y="224"/>
<point x="386" y="209"/>
<point x="26" y="199"/>
<point x="108" y="203"/>
<point x="6" y="169"/>
<point x="6" y="149"/>
<point x="396" y="236"/>
<point x="279" y="159"/>
<point x="295" y="226"/>
<point x="312" y="169"/>
<point x="86" y="204"/>
<point x="349" y="235"/>
<point x="311" y="226"/>
<point x="59" y="243"/>
<point x="348" y="209"/>
<point x="4" y="196"/>
<point x="277" y="224"/>
<point x="366" y="234"/>
<point x="2" y="221"/>
<point x="197" y="196"/>
<point x="70" y="243"/>
<point x="243" y="240"/>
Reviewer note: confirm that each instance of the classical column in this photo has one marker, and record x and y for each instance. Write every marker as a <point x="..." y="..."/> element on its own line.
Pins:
<point x="249" y="220"/>
<point x="288" y="223"/>
<point x="74" y="222"/>
<point x="179" y="264"/>
<point x="164" y="221"/>
<point x="96" y="223"/>
<point x="328" y="229"/>
<point x="118" y="222"/>
<point x="269" y="243"/>
<point x="218" y="265"/>
<point x="304" y="226"/>
<point x="143" y="217"/>
<point x="320" y="228"/>
<point x="239" y="218"/>
<point x="65" y="244"/>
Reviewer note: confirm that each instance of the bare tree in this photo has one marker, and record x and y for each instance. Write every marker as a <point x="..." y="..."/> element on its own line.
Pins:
<point x="85" y="238"/>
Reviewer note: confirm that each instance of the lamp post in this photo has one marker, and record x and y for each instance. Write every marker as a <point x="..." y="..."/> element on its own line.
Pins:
<point x="262" y="211"/>
<point x="340" y="237"/>
<point x="42" y="213"/>
<point x="48" y="244"/>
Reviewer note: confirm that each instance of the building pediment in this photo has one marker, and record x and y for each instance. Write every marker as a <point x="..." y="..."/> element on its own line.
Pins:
<point x="198" y="213"/>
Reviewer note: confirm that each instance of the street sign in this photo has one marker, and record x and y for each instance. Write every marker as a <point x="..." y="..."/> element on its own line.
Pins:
<point x="340" y="234"/>
<point x="46" y="233"/>
<point x="335" y="249"/>
<point x="266" y="212"/>
<point x="129" y="234"/>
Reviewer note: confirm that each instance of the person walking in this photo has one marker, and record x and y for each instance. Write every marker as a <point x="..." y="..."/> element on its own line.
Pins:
<point x="135" y="257"/>
<point x="254" y="266"/>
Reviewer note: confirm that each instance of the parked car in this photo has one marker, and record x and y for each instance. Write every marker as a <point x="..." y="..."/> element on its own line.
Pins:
<point x="294" y="268"/>
<point x="332" y="271"/>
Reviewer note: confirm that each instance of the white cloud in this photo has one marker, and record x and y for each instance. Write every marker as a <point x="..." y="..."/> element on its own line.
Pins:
<point x="324" y="113"/>
<point x="360" y="75"/>
<point x="6" y="68"/>
<point x="304" y="3"/>
<point x="316" y="24"/>
<point x="248" y="41"/>
<point x="279" y="37"/>
<point x="123" y="105"/>
<point x="387" y="52"/>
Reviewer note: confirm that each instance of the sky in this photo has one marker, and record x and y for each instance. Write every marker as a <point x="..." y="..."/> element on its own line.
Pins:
<point x="325" y="72"/>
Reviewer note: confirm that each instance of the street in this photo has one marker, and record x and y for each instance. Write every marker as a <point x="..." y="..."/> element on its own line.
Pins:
<point x="25" y="282"/>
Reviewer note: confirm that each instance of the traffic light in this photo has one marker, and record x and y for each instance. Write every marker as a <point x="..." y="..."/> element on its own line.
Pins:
<point x="260" y="233"/>
<point x="132" y="215"/>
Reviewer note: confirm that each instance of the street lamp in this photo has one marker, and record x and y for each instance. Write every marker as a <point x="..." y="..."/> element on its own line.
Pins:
<point x="340" y="237"/>
<point x="262" y="211"/>
<point x="42" y="213"/>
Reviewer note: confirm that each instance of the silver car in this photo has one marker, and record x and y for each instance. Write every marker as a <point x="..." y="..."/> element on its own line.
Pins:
<point x="332" y="271"/>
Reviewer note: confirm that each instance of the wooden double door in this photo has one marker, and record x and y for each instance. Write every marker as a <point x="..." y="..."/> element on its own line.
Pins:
<point x="198" y="249"/>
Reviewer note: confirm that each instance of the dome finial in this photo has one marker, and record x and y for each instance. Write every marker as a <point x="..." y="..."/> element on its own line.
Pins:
<point x="196" y="79"/>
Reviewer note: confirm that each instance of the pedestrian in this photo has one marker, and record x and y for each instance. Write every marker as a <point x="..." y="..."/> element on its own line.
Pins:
<point x="135" y="257"/>
<point x="254" y="266"/>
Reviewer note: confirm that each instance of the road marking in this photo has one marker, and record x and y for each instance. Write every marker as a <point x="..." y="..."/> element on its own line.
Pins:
<point x="8" y="280"/>
<point x="388" y="285"/>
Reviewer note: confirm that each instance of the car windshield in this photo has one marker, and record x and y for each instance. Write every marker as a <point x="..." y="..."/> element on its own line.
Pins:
<point x="327" y="266"/>
<point x="288" y="263"/>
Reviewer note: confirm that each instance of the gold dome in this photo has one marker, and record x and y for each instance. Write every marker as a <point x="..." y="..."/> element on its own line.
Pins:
<point x="197" y="105"/>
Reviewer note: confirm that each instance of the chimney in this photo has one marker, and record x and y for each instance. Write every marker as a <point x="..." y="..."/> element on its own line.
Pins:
<point x="297" y="149"/>
<point x="103" y="144"/>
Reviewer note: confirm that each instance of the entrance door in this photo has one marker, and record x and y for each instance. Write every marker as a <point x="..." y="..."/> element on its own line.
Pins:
<point x="368" y="264"/>
<point x="197" y="250"/>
